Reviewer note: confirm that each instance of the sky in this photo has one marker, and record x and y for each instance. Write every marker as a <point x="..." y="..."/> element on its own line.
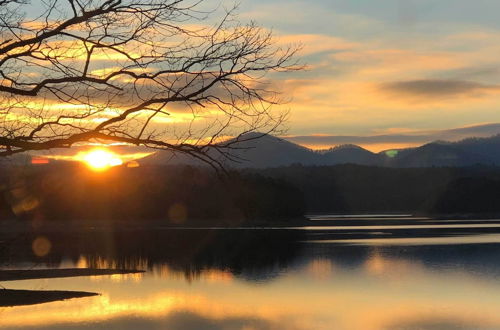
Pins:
<point x="387" y="73"/>
<point x="387" y="67"/>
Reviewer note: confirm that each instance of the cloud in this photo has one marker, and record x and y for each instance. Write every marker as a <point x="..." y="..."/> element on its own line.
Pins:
<point x="472" y="72"/>
<point x="379" y="75"/>
<point x="436" y="87"/>
<point x="317" y="43"/>
<point x="439" y="323"/>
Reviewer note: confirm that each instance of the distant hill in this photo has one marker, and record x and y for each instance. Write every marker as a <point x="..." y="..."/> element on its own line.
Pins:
<point x="471" y="151"/>
<point x="256" y="150"/>
<point x="488" y="148"/>
<point x="18" y="159"/>
<point x="437" y="154"/>
<point x="270" y="151"/>
<point x="351" y="154"/>
<point x="262" y="150"/>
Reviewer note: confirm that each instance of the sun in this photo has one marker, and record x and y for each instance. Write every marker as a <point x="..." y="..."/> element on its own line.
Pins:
<point x="101" y="159"/>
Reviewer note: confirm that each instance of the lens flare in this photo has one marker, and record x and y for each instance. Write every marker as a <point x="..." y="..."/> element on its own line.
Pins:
<point x="41" y="246"/>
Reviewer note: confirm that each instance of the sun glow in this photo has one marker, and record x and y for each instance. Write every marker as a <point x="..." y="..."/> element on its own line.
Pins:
<point x="101" y="159"/>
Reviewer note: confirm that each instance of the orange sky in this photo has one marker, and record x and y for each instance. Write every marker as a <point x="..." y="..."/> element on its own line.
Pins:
<point x="382" y="68"/>
<point x="386" y="66"/>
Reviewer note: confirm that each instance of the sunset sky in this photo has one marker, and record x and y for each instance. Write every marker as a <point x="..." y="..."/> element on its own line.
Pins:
<point x="388" y="73"/>
<point x="390" y="67"/>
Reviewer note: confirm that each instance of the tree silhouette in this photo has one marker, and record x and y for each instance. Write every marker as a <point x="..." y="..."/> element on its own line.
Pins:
<point x="157" y="73"/>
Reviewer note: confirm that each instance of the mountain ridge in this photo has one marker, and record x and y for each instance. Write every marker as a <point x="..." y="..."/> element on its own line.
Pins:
<point x="259" y="150"/>
<point x="272" y="151"/>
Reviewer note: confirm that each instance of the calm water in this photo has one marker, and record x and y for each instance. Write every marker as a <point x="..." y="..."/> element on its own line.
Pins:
<point x="371" y="275"/>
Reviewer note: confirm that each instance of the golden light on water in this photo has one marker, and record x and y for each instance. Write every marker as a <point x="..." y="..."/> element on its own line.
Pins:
<point x="101" y="159"/>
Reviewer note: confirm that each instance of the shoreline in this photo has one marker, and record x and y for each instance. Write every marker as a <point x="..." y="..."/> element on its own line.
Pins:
<point x="12" y="226"/>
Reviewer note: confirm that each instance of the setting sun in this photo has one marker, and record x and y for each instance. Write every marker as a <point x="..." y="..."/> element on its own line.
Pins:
<point x="101" y="159"/>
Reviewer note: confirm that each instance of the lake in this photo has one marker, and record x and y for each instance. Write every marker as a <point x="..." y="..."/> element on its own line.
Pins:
<point x="363" y="272"/>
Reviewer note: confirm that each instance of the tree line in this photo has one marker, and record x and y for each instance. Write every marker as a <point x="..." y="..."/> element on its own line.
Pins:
<point x="432" y="190"/>
<point x="176" y="195"/>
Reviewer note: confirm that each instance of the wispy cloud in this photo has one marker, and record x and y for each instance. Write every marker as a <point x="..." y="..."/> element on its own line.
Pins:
<point x="437" y="87"/>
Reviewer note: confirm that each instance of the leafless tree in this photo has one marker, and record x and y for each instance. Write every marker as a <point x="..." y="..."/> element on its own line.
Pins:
<point x="155" y="73"/>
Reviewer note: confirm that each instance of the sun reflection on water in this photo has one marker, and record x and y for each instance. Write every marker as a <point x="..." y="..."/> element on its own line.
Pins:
<point x="344" y="288"/>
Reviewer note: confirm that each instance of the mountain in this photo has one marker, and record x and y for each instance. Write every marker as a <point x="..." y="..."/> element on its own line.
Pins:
<point x="471" y="151"/>
<point x="488" y="148"/>
<point x="437" y="154"/>
<point x="17" y="159"/>
<point x="415" y="138"/>
<point x="269" y="151"/>
<point x="254" y="150"/>
<point x="262" y="150"/>
<point x="351" y="154"/>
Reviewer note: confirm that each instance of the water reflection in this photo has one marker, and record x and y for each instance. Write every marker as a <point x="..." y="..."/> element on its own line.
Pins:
<point x="413" y="241"/>
<point x="248" y="254"/>
<point x="277" y="279"/>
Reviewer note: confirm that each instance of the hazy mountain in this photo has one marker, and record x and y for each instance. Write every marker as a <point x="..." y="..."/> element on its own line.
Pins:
<point x="262" y="150"/>
<point x="467" y="152"/>
<point x="351" y="154"/>
<point x="414" y="138"/>
<point x="255" y="150"/>
<point x="269" y="151"/>
<point x="16" y="159"/>
<point x="488" y="148"/>
<point x="437" y="154"/>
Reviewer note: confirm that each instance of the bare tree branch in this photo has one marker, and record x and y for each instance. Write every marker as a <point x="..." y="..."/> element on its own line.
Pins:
<point x="125" y="70"/>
